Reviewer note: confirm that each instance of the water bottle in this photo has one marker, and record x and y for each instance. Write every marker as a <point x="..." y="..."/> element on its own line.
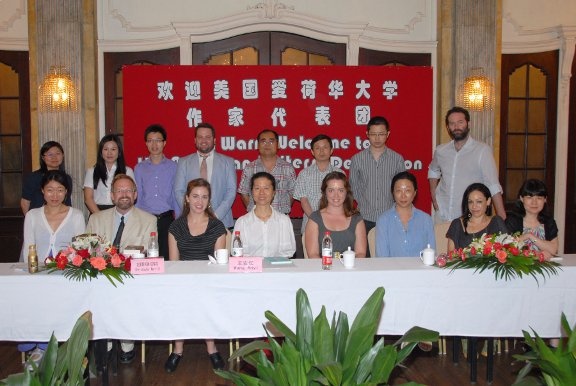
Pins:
<point x="327" y="251"/>
<point x="153" y="245"/>
<point x="237" y="250"/>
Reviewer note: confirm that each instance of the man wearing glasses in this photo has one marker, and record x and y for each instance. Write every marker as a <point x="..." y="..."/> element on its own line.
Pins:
<point x="268" y="161"/>
<point x="154" y="180"/>
<point x="123" y="225"/>
<point x="371" y="172"/>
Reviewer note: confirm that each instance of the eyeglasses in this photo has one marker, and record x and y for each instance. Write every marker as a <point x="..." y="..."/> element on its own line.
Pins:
<point x="53" y="155"/>
<point x="378" y="135"/>
<point x="117" y="191"/>
<point x="55" y="191"/>
<point x="154" y="140"/>
<point x="267" y="141"/>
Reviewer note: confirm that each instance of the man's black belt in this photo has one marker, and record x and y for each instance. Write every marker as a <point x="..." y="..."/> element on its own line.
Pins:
<point x="165" y="214"/>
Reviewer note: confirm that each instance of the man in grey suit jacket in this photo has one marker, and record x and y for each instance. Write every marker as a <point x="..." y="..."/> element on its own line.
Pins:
<point x="138" y="225"/>
<point x="220" y="172"/>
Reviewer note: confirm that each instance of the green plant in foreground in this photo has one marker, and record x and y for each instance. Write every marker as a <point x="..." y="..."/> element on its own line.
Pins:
<point x="62" y="365"/>
<point x="320" y="353"/>
<point x="558" y="365"/>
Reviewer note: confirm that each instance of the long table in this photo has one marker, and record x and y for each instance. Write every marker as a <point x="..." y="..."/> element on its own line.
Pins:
<point x="200" y="300"/>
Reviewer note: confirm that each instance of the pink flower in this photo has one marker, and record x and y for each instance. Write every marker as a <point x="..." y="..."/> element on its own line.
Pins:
<point x="98" y="262"/>
<point x="501" y="256"/>
<point x="77" y="260"/>
<point x="441" y="260"/>
<point x="115" y="260"/>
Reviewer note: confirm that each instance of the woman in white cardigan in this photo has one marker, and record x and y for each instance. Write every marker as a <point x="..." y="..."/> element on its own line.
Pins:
<point x="51" y="227"/>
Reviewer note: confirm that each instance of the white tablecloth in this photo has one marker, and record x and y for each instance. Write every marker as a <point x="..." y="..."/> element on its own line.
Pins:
<point x="197" y="300"/>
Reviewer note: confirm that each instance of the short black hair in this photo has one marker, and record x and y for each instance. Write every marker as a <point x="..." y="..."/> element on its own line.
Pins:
<point x="44" y="149"/>
<point x="377" y="120"/>
<point x="404" y="176"/>
<point x="320" y="137"/>
<point x="155" y="128"/>
<point x="267" y="175"/>
<point x="55" y="175"/>
<point x="268" y="131"/>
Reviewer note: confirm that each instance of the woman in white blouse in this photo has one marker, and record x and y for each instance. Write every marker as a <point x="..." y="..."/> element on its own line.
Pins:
<point x="98" y="181"/>
<point x="51" y="227"/>
<point x="264" y="231"/>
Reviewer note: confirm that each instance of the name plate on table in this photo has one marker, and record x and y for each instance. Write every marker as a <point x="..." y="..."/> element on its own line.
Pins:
<point x="245" y="264"/>
<point x="147" y="266"/>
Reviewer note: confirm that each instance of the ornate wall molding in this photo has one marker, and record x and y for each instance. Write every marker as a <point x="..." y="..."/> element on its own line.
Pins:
<point x="12" y="11"/>
<point x="255" y="19"/>
<point x="272" y="8"/>
<point x="127" y="25"/>
<point x="134" y="45"/>
<point x="14" y="44"/>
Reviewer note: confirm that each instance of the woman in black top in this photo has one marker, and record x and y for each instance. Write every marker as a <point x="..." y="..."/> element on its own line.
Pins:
<point x="530" y="219"/>
<point x="476" y="219"/>
<point x="51" y="158"/>
<point x="194" y="236"/>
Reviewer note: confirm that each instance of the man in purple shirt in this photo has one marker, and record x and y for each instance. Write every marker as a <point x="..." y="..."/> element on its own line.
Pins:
<point x="154" y="180"/>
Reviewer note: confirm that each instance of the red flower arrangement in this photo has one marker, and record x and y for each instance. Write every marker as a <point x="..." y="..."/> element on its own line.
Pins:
<point x="88" y="256"/>
<point x="502" y="253"/>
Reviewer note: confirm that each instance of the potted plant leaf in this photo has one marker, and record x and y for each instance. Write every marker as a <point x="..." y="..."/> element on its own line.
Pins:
<point x="61" y="365"/>
<point x="323" y="353"/>
<point x="557" y="364"/>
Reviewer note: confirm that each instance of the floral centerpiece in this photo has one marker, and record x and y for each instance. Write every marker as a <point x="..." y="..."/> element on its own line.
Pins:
<point x="88" y="256"/>
<point x="502" y="253"/>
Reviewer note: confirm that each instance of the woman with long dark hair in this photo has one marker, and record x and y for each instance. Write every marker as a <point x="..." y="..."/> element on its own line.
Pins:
<point x="476" y="218"/>
<point x="51" y="158"/>
<point x="98" y="181"/>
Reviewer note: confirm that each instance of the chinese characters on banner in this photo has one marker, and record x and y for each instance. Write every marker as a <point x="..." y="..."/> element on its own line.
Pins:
<point x="298" y="102"/>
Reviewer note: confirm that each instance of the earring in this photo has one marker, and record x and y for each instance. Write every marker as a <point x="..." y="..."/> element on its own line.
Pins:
<point x="469" y="215"/>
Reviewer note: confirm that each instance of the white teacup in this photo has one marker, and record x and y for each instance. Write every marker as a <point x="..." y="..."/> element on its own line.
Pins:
<point x="221" y="256"/>
<point x="428" y="255"/>
<point x="349" y="258"/>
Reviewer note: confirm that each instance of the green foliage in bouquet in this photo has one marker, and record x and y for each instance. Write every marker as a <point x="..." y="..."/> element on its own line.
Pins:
<point x="558" y="365"/>
<point x="64" y="365"/>
<point x="504" y="255"/>
<point x="88" y="256"/>
<point x="323" y="353"/>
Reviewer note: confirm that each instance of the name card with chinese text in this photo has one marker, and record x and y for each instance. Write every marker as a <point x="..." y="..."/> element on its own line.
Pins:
<point x="245" y="264"/>
<point x="147" y="266"/>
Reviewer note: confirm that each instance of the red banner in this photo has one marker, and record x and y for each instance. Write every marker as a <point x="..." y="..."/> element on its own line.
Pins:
<point x="298" y="102"/>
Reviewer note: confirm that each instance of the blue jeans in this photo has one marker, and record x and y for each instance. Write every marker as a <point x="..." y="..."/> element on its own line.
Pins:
<point x="27" y="346"/>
